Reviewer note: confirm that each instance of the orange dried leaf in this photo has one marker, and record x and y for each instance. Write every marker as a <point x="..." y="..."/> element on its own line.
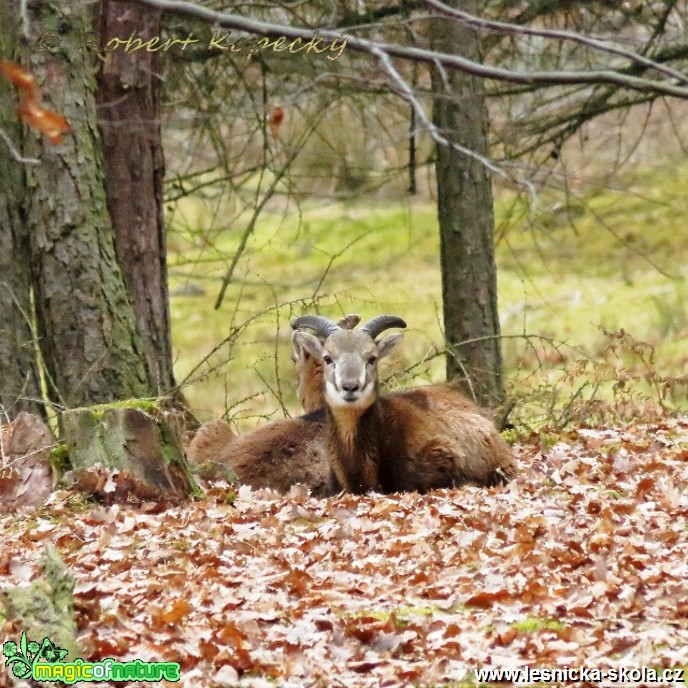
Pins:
<point x="49" y="123"/>
<point x="19" y="77"/>
<point x="485" y="598"/>
<point x="276" y="119"/>
<point x="230" y="634"/>
<point x="30" y="110"/>
<point x="179" y="610"/>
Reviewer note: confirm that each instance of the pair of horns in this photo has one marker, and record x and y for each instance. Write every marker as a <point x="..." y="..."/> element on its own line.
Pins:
<point x="325" y="327"/>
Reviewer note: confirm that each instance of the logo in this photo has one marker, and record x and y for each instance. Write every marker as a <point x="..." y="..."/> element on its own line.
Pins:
<point x="45" y="662"/>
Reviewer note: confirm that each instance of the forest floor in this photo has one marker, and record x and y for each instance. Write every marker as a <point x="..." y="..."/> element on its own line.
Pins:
<point x="580" y="562"/>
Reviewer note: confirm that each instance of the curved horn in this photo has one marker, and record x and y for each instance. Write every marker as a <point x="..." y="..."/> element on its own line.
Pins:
<point x="322" y="325"/>
<point x="380" y="323"/>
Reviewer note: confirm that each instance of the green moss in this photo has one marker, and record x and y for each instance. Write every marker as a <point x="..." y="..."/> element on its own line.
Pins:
<point x="613" y="494"/>
<point x="510" y="436"/>
<point x="145" y="405"/>
<point x="45" y="608"/>
<point x="310" y="523"/>
<point x="401" y="616"/>
<point x="59" y="459"/>
<point x="102" y="434"/>
<point x="181" y="544"/>
<point x="548" y="440"/>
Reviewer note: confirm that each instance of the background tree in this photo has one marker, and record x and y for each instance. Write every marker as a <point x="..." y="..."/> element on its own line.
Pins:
<point x="466" y="219"/>
<point x="86" y="327"/>
<point x="128" y="102"/>
<point x="19" y="388"/>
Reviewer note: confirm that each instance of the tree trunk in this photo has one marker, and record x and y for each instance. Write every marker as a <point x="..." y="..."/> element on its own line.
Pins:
<point x="88" y="337"/>
<point x="19" y="381"/>
<point x="129" y="120"/>
<point x="464" y="201"/>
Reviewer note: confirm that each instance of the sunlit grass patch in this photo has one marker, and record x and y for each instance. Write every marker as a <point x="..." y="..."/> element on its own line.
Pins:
<point x="572" y="272"/>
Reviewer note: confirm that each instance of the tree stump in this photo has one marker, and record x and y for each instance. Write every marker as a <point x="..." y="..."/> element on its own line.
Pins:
<point x="128" y="450"/>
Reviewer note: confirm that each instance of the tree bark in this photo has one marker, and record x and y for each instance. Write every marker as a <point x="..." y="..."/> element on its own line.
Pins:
<point x="465" y="213"/>
<point x="88" y="336"/>
<point x="19" y="380"/>
<point x="129" y="120"/>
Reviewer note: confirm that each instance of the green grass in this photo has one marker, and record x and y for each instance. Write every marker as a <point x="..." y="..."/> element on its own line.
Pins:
<point x="567" y="270"/>
<point x="401" y="616"/>
<point x="532" y="625"/>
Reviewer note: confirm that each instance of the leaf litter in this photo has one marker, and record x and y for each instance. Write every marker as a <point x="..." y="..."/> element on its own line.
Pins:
<point x="581" y="561"/>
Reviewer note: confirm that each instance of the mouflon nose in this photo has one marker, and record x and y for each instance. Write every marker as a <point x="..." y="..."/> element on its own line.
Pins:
<point x="351" y="387"/>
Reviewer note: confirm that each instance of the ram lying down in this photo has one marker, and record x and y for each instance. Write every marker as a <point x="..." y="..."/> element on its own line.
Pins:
<point x="415" y="440"/>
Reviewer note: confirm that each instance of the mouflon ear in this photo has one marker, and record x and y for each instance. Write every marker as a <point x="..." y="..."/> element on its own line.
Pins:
<point x="297" y="351"/>
<point x="387" y="344"/>
<point x="308" y="343"/>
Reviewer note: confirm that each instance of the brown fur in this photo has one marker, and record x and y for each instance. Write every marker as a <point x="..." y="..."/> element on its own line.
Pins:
<point x="278" y="455"/>
<point x="310" y="383"/>
<point x="418" y="440"/>
<point x="284" y="452"/>
<point x="353" y="470"/>
<point x="433" y="437"/>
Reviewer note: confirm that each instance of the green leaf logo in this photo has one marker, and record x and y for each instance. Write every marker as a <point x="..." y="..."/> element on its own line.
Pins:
<point x="50" y="652"/>
<point x="22" y="658"/>
<point x="19" y="658"/>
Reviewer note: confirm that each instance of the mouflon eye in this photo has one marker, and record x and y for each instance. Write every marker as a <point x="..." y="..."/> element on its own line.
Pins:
<point x="371" y="360"/>
<point x="327" y="360"/>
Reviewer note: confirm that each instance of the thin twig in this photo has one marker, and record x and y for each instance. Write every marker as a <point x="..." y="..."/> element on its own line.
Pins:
<point x="24" y="14"/>
<point x="408" y="95"/>
<point x="597" y="44"/>
<point x="15" y="153"/>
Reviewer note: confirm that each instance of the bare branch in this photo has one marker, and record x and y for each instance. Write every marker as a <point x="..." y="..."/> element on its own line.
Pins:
<point x="408" y="95"/>
<point x="595" y="43"/>
<point x="24" y="14"/>
<point x="258" y="209"/>
<point x="270" y="30"/>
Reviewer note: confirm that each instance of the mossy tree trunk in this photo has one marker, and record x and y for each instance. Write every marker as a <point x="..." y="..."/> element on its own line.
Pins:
<point x="88" y="334"/>
<point x="465" y="211"/>
<point x="128" y="98"/>
<point x="19" y="382"/>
